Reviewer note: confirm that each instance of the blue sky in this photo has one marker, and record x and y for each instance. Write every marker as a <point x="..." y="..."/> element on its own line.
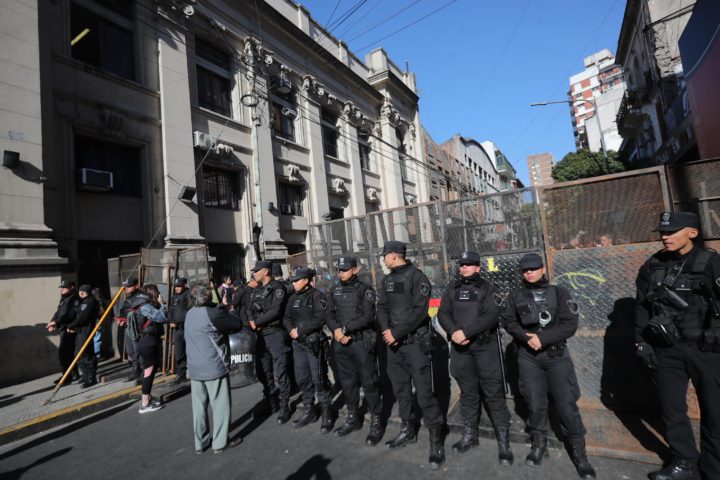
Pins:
<point x="480" y="63"/>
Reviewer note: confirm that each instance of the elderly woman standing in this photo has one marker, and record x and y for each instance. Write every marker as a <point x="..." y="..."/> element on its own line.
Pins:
<point x="208" y="360"/>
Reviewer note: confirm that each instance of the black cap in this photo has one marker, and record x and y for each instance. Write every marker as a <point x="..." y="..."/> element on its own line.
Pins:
<point x="346" y="263"/>
<point x="85" y="288"/>
<point x="670" y="222"/>
<point x="531" y="261"/>
<point x="262" y="264"/>
<point x="302" y="272"/>
<point x="469" y="258"/>
<point x="131" y="281"/>
<point x="66" y="284"/>
<point x="394" y="246"/>
<point x="180" y="282"/>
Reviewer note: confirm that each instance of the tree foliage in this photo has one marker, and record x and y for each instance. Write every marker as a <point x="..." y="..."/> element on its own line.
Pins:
<point x="585" y="164"/>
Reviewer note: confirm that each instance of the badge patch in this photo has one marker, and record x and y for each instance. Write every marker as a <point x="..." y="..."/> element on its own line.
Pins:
<point x="498" y="299"/>
<point x="323" y="304"/>
<point x="83" y="307"/>
<point x="665" y="217"/>
<point x="280" y="292"/>
<point x="370" y="295"/>
<point x="425" y="289"/>
<point x="573" y="307"/>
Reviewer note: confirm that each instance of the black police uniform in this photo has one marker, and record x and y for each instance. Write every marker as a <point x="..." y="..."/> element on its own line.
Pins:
<point x="307" y="311"/>
<point x="402" y="308"/>
<point x="63" y="316"/>
<point x="351" y="307"/>
<point x="473" y="305"/>
<point x="179" y="307"/>
<point x="548" y="373"/>
<point x="266" y="307"/>
<point x="696" y="283"/>
<point x="84" y="322"/>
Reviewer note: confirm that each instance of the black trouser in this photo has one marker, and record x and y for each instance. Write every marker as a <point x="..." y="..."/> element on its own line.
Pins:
<point x="311" y="374"/>
<point x="179" y="352"/>
<point x="131" y="350"/>
<point x="357" y="366"/>
<point x="476" y="367"/>
<point x="542" y="376"/>
<point x="272" y="362"/>
<point x="148" y="351"/>
<point x="66" y="350"/>
<point x="88" y="361"/>
<point x="408" y="366"/>
<point x="675" y="367"/>
<point x="264" y="367"/>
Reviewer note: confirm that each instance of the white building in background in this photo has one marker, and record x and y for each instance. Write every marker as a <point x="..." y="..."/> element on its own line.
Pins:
<point x="601" y="84"/>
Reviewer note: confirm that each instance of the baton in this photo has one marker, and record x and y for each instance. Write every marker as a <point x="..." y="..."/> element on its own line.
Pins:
<point x="501" y="355"/>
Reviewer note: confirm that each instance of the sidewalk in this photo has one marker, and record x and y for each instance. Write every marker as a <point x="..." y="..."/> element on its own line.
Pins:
<point x="23" y="412"/>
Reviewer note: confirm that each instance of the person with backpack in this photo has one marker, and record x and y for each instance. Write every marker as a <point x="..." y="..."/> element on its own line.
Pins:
<point x="541" y="317"/>
<point x="145" y="321"/>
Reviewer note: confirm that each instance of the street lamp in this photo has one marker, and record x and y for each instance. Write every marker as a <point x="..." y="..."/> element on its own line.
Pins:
<point x="596" y="114"/>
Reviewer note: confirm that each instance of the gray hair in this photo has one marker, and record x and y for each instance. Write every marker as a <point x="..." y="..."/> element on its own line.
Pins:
<point x="201" y="294"/>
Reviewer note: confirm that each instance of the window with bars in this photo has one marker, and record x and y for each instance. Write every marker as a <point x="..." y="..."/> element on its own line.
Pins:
<point x="290" y="198"/>
<point x="220" y="188"/>
<point x="108" y="42"/>
<point x="282" y="117"/>
<point x="213" y="78"/>
<point x="330" y="133"/>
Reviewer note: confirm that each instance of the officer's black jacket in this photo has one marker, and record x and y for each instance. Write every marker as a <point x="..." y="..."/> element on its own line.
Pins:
<point x="365" y="318"/>
<point x="125" y="308"/>
<point x="313" y="322"/>
<point x="179" y="307"/>
<point x="242" y="309"/>
<point x="562" y="327"/>
<point x="273" y="299"/>
<point x="668" y="259"/>
<point x="66" y="310"/>
<point x="487" y="314"/>
<point x="87" y="313"/>
<point x="417" y="314"/>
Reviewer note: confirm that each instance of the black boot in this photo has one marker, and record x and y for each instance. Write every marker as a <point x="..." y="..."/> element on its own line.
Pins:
<point x="89" y="380"/>
<point x="469" y="437"/>
<point x="284" y="412"/>
<point x="309" y="416"/>
<point x="407" y="435"/>
<point x="579" y="458"/>
<point x="352" y="423"/>
<point x="437" y="447"/>
<point x="326" y="424"/>
<point x="377" y="430"/>
<point x="274" y="403"/>
<point x="505" y="455"/>
<point x="538" y="449"/>
<point x="679" y="469"/>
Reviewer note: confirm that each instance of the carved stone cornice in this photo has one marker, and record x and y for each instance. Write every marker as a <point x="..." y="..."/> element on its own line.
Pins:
<point x="316" y="91"/>
<point x="353" y="115"/>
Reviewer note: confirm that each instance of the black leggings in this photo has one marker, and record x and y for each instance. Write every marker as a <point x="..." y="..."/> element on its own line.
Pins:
<point x="148" y="349"/>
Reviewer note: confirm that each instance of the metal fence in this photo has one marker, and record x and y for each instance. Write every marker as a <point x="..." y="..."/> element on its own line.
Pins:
<point x="595" y="235"/>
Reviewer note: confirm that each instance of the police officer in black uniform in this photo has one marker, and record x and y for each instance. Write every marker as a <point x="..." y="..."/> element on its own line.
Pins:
<point x="351" y="318"/>
<point x="305" y="316"/>
<point x="541" y="317"/>
<point x="179" y="306"/>
<point x="132" y="288"/>
<point x="677" y="329"/>
<point x="402" y="312"/>
<point x="469" y="312"/>
<point x="82" y="325"/>
<point x="64" y="315"/>
<point x="272" y="348"/>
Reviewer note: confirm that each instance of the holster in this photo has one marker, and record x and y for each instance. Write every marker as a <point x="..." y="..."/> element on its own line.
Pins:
<point x="556" y="350"/>
<point x="709" y="340"/>
<point x="370" y="341"/>
<point x="313" y="342"/>
<point x="661" y="331"/>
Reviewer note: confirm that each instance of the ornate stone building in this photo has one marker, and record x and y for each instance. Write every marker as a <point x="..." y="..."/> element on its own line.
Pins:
<point x="173" y="123"/>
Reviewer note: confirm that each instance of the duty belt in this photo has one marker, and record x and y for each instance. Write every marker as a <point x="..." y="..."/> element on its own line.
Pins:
<point x="484" y="337"/>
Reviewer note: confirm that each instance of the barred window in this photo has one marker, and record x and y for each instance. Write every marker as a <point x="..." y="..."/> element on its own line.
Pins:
<point x="283" y="116"/>
<point x="213" y="78"/>
<point x="290" y="198"/>
<point x="330" y="133"/>
<point x="220" y="188"/>
<point x="364" y="149"/>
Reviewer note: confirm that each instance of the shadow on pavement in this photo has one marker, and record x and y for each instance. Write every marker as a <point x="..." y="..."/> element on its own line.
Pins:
<point x="18" y="472"/>
<point x="314" y="468"/>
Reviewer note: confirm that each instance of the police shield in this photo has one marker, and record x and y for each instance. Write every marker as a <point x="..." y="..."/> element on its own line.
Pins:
<point x="242" y="358"/>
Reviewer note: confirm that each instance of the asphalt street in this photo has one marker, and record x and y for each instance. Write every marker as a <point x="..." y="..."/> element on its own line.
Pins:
<point x="122" y="444"/>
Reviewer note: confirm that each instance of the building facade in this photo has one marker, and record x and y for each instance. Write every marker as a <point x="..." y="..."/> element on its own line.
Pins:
<point x="478" y="173"/>
<point x="540" y="169"/>
<point x="654" y="117"/>
<point x="596" y="93"/>
<point x="159" y="124"/>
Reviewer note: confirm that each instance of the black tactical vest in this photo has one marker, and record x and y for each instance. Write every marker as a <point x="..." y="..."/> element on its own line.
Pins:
<point x="301" y="308"/>
<point x="529" y="306"/>
<point x="347" y="299"/>
<point x="397" y="289"/>
<point x="179" y="309"/>
<point x="690" y="321"/>
<point x="466" y="302"/>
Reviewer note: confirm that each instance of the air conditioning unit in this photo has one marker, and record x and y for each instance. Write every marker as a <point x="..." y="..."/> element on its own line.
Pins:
<point x="91" y="179"/>
<point x="203" y="140"/>
<point x="287" y="209"/>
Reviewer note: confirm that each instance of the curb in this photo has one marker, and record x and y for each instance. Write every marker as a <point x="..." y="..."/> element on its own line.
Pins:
<point x="70" y="414"/>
